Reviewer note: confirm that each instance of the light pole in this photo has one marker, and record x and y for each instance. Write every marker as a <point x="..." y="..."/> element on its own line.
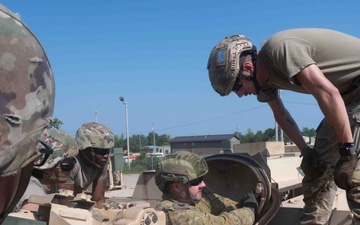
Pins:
<point x="127" y="129"/>
<point x="153" y="135"/>
<point x="96" y="113"/>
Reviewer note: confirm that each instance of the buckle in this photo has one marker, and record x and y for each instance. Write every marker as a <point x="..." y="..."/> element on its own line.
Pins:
<point x="345" y="151"/>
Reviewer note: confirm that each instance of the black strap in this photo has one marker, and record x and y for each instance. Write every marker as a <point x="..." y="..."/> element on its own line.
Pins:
<point x="353" y="87"/>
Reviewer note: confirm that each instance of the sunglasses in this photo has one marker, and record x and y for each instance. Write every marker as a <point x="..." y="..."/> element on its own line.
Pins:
<point x="237" y="85"/>
<point x="45" y="151"/>
<point x="67" y="164"/>
<point x="196" y="182"/>
<point x="98" y="151"/>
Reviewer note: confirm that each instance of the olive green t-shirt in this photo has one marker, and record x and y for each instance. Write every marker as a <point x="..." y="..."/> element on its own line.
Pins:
<point x="83" y="174"/>
<point x="286" y="53"/>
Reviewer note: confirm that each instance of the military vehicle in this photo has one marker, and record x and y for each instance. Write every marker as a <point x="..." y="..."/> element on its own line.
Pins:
<point x="231" y="175"/>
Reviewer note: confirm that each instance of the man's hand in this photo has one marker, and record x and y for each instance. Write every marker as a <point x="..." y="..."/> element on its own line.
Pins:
<point x="249" y="201"/>
<point x="309" y="163"/>
<point x="345" y="166"/>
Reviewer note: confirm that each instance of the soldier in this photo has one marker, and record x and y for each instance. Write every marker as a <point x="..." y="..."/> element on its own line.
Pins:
<point x="50" y="176"/>
<point x="186" y="200"/>
<point x="95" y="142"/>
<point x="27" y="92"/>
<point x="320" y="62"/>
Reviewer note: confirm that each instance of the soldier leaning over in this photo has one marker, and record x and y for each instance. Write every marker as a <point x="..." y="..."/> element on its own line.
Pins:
<point x="186" y="200"/>
<point x="95" y="142"/>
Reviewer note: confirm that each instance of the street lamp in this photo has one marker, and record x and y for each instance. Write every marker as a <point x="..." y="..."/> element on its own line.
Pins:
<point x="96" y="113"/>
<point x="127" y="129"/>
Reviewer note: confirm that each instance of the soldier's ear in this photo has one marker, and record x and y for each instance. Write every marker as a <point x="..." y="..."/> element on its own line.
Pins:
<point x="173" y="188"/>
<point x="178" y="187"/>
<point x="248" y="66"/>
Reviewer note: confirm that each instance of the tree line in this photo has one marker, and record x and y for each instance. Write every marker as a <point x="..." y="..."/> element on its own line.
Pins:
<point x="137" y="141"/>
<point x="270" y="135"/>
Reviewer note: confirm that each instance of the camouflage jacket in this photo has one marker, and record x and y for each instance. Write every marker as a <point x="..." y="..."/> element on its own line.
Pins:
<point x="211" y="209"/>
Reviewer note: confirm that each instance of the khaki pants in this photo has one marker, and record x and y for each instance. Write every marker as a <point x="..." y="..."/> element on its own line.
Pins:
<point x="319" y="192"/>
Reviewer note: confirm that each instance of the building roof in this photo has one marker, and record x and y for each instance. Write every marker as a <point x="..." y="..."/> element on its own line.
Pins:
<point x="203" y="138"/>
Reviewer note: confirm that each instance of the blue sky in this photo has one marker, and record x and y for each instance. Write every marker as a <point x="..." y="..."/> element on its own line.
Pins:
<point x="154" y="54"/>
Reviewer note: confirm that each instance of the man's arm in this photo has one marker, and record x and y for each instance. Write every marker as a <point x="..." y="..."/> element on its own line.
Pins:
<point x="98" y="192"/>
<point x="329" y="100"/>
<point x="286" y="122"/>
<point x="180" y="213"/>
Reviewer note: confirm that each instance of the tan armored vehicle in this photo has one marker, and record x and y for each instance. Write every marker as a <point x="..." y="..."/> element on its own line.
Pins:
<point x="276" y="180"/>
<point x="230" y="175"/>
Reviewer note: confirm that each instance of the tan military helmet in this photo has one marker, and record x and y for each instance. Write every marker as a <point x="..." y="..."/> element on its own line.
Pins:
<point x="180" y="167"/>
<point x="63" y="144"/>
<point x="27" y="92"/>
<point x="94" y="135"/>
<point x="224" y="62"/>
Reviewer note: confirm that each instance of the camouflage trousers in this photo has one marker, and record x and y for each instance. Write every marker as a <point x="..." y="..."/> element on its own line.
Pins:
<point x="319" y="192"/>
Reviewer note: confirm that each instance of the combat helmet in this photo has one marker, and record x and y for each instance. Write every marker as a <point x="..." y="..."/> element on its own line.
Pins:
<point x="224" y="64"/>
<point x="27" y="93"/>
<point x="180" y="167"/>
<point x="94" y="135"/>
<point x="63" y="145"/>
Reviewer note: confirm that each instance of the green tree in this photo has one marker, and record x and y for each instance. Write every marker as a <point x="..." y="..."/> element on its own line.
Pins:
<point x="269" y="134"/>
<point x="137" y="142"/>
<point x="120" y="141"/>
<point x="249" y="137"/>
<point x="159" y="139"/>
<point x="163" y="139"/>
<point x="56" y="123"/>
<point x="259" y="136"/>
<point x="308" y="132"/>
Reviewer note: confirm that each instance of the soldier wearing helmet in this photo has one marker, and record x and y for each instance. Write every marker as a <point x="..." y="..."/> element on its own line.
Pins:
<point x="27" y="92"/>
<point x="186" y="200"/>
<point x="320" y="62"/>
<point x="95" y="143"/>
<point x="50" y="175"/>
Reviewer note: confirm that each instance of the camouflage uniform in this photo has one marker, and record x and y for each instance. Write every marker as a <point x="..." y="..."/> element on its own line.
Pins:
<point x="183" y="167"/>
<point x="284" y="55"/>
<point x="27" y="93"/>
<point x="320" y="192"/>
<point x="88" y="136"/>
<point x="212" y="209"/>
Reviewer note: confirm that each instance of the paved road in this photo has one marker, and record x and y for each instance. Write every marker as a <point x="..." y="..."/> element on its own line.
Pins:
<point x="127" y="189"/>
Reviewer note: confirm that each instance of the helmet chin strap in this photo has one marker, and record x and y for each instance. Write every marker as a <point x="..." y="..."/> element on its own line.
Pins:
<point x="253" y="77"/>
<point x="256" y="83"/>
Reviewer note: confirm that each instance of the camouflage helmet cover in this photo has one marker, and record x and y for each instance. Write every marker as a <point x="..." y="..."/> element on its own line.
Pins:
<point x="63" y="144"/>
<point x="179" y="167"/>
<point x="27" y="93"/>
<point x="224" y="62"/>
<point x="94" y="135"/>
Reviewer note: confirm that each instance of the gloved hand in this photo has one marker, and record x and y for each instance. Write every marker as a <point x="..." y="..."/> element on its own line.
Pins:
<point x="309" y="163"/>
<point x="249" y="200"/>
<point x="345" y="166"/>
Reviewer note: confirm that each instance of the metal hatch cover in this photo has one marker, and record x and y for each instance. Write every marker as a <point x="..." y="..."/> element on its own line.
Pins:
<point x="233" y="175"/>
